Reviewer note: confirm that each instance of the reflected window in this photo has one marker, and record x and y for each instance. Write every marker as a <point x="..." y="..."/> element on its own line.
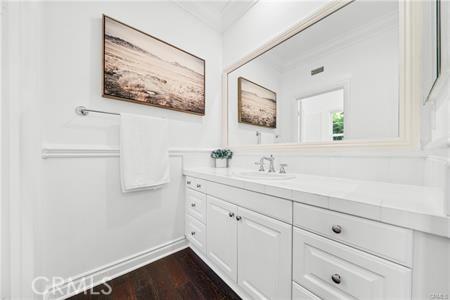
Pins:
<point x="337" y="118"/>
<point x="321" y="117"/>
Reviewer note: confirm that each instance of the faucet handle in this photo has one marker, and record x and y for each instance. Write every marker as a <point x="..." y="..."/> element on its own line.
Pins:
<point x="283" y="168"/>
<point x="261" y="165"/>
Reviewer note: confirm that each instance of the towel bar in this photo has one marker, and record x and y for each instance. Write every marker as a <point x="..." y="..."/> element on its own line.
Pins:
<point x="83" y="111"/>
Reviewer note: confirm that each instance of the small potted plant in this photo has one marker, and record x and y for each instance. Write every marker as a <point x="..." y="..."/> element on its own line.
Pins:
<point x="221" y="157"/>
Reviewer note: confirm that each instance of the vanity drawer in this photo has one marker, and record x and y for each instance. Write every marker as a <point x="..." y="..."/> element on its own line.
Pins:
<point x="300" y="293"/>
<point x="196" y="184"/>
<point x="277" y="208"/>
<point x="196" y="205"/>
<point x="196" y="233"/>
<point x="381" y="239"/>
<point x="332" y="270"/>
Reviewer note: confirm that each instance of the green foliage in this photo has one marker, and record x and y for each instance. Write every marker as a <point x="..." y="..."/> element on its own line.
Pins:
<point x="338" y="126"/>
<point x="222" y="153"/>
<point x="338" y="122"/>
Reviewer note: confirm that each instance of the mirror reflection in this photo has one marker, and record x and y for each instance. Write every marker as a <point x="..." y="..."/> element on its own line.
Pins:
<point x="431" y="46"/>
<point x="335" y="81"/>
<point x="321" y="117"/>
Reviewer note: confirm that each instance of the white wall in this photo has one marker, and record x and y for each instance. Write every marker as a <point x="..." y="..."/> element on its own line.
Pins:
<point x="263" y="22"/>
<point x="2" y="240"/>
<point x="72" y="54"/>
<point x="68" y="215"/>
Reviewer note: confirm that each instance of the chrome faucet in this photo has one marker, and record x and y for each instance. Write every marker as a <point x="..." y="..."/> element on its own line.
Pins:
<point x="271" y="160"/>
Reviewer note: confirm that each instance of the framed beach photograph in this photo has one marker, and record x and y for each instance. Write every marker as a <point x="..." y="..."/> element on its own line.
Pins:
<point x="143" y="69"/>
<point x="257" y="105"/>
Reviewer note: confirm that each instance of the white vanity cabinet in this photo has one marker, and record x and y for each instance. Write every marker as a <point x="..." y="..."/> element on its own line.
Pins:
<point x="250" y="248"/>
<point x="267" y="247"/>
<point x="222" y="236"/>
<point x="234" y="234"/>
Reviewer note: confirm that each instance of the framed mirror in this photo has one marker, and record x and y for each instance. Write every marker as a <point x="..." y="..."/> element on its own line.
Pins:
<point x="343" y="77"/>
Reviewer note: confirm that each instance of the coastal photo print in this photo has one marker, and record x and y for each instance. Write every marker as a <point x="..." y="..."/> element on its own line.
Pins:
<point x="140" y="68"/>
<point x="257" y="105"/>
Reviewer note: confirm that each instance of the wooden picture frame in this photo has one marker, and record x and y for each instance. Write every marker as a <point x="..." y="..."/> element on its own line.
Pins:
<point x="257" y="105"/>
<point x="140" y="68"/>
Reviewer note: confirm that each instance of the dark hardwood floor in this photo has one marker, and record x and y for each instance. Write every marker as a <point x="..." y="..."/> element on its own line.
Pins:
<point x="182" y="275"/>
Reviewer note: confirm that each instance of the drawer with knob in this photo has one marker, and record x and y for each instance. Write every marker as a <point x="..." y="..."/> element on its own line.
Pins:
<point x="332" y="270"/>
<point x="361" y="233"/>
<point x="196" y="205"/>
<point x="196" y="233"/>
<point x="196" y="184"/>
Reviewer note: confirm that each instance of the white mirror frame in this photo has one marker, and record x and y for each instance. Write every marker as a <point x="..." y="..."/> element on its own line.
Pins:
<point x="409" y="89"/>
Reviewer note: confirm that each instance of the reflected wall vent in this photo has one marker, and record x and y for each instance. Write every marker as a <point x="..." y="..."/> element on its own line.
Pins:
<point x="317" y="71"/>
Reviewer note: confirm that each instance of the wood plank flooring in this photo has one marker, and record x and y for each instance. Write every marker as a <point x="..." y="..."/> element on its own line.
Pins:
<point x="182" y="275"/>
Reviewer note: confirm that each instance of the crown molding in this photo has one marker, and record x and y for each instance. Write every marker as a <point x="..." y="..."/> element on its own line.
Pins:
<point x="219" y="20"/>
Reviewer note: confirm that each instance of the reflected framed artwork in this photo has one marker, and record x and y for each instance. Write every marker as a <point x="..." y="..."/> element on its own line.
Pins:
<point x="257" y="105"/>
<point x="143" y="69"/>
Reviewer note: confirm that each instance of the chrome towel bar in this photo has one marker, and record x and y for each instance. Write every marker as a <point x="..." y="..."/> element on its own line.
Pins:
<point x="83" y="111"/>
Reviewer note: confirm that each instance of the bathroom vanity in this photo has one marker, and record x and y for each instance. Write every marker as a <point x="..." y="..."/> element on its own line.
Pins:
<point x="313" y="237"/>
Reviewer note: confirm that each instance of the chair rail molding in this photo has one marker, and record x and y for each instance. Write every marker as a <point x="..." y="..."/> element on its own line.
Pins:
<point x="87" y="151"/>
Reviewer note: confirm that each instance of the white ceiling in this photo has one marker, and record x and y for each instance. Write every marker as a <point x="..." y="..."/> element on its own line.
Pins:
<point x="359" y="17"/>
<point x="218" y="14"/>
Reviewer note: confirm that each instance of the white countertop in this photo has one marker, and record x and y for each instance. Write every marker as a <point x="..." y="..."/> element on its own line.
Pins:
<point x="416" y="207"/>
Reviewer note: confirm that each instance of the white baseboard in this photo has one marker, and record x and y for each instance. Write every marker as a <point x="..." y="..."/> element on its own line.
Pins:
<point x="113" y="270"/>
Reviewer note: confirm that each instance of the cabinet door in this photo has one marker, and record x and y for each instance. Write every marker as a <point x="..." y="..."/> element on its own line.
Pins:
<point x="221" y="241"/>
<point x="264" y="252"/>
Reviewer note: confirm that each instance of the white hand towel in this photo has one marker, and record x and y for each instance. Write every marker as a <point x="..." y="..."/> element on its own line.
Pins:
<point x="144" y="152"/>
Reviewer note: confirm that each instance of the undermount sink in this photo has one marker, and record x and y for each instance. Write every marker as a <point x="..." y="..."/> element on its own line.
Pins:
<point x="263" y="175"/>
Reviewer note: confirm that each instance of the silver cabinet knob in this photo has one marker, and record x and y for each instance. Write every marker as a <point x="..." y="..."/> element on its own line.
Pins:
<point x="238" y="218"/>
<point x="336" y="278"/>
<point x="199" y="186"/>
<point x="193" y="204"/>
<point x="231" y="214"/>
<point x="336" y="229"/>
<point x="192" y="232"/>
<point x="188" y="182"/>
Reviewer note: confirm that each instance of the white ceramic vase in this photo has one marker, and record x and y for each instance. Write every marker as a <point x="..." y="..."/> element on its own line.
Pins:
<point x="221" y="162"/>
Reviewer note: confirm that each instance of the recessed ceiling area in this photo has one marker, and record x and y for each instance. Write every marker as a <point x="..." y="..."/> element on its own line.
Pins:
<point x="219" y="15"/>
